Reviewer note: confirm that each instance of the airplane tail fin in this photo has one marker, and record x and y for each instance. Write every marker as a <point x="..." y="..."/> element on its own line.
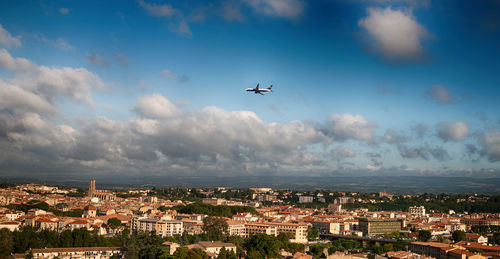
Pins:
<point x="270" y="88"/>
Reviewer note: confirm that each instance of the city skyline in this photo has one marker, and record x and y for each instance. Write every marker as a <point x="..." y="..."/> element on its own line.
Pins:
<point x="156" y="88"/>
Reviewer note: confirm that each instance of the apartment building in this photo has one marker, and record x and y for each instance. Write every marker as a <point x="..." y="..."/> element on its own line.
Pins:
<point x="326" y="227"/>
<point x="379" y="226"/>
<point x="168" y="228"/>
<point x="306" y="199"/>
<point x="246" y="229"/>
<point x="159" y="226"/>
<point x="417" y="211"/>
<point x="343" y="200"/>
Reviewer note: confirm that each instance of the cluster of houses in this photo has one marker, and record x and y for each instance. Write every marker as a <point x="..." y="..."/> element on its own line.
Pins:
<point x="143" y="214"/>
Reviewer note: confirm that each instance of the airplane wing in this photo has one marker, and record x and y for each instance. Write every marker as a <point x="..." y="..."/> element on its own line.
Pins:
<point x="257" y="87"/>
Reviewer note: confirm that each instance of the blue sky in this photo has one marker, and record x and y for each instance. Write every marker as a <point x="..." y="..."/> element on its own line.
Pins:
<point x="360" y="87"/>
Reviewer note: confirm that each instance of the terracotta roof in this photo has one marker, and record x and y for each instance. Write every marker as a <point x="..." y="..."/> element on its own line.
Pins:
<point x="472" y="235"/>
<point x="10" y="223"/>
<point x="90" y="207"/>
<point x="78" y="222"/>
<point x="434" y="244"/>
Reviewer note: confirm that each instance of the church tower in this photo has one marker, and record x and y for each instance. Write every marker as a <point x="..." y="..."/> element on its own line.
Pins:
<point x="91" y="188"/>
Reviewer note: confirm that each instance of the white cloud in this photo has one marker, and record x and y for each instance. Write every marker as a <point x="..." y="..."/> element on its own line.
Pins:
<point x="13" y="96"/>
<point x="232" y="12"/>
<point x="11" y="63"/>
<point x="164" y="10"/>
<point x="490" y="141"/>
<point x="394" y="137"/>
<point x="341" y="153"/>
<point x="59" y="43"/>
<point x="184" y="28"/>
<point x="122" y="59"/>
<point x="178" y="24"/>
<point x="7" y="40"/>
<point x="64" y="10"/>
<point x="49" y="83"/>
<point x="169" y="74"/>
<point x="291" y="9"/>
<point x="95" y="59"/>
<point x="396" y="34"/>
<point x="156" y="106"/>
<point x="174" y="77"/>
<point x="415" y="152"/>
<point x="440" y="94"/>
<point x="346" y="126"/>
<point x="62" y="44"/>
<point x="452" y="131"/>
<point x="413" y="3"/>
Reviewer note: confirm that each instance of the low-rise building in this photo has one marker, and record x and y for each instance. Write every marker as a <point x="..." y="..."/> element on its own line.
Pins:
<point x="379" y="226"/>
<point x="78" y="252"/>
<point x="213" y="247"/>
<point x="10" y="225"/>
<point x="247" y="216"/>
<point x="306" y="199"/>
<point x="471" y="237"/>
<point x="432" y="249"/>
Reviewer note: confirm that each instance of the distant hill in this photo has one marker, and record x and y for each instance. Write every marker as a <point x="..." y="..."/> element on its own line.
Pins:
<point x="396" y="184"/>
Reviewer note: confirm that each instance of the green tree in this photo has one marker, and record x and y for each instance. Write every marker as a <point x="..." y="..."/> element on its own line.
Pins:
<point x="215" y="227"/>
<point x="387" y="247"/>
<point x="132" y="249"/>
<point x="458" y="235"/>
<point x="7" y="242"/>
<point x="226" y="254"/>
<point x="114" y="222"/>
<point x="312" y="232"/>
<point x="378" y="249"/>
<point x="263" y="244"/>
<point x="441" y="239"/>
<point x="496" y="238"/>
<point x="181" y="253"/>
<point x="424" y="235"/>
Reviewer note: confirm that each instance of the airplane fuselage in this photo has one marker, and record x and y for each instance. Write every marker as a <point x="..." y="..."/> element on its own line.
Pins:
<point x="257" y="90"/>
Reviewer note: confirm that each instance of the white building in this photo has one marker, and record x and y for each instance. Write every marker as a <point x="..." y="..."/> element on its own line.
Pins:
<point x="10" y="225"/>
<point x="343" y="200"/>
<point x="168" y="228"/>
<point x="326" y="227"/>
<point x="306" y="199"/>
<point x="213" y="247"/>
<point x="159" y="226"/>
<point x="417" y="211"/>
<point x="247" y="216"/>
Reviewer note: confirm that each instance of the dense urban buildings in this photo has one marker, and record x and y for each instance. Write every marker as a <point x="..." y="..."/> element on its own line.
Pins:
<point x="304" y="218"/>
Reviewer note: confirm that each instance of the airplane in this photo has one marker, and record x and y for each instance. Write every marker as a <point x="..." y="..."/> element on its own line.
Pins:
<point x="257" y="90"/>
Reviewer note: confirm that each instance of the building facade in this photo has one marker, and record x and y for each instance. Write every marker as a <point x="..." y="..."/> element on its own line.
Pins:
<point x="379" y="226"/>
<point x="417" y="211"/>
